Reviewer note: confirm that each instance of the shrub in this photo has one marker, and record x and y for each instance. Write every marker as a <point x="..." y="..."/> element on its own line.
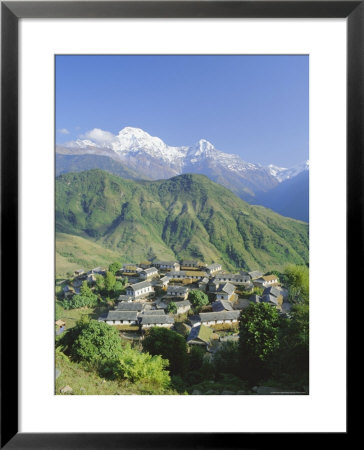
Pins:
<point x="136" y="366"/>
<point x="80" y="301"/>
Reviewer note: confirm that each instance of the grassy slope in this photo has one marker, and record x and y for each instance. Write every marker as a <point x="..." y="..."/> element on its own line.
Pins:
<point x="87" y="382"/>
<point x="75" y="252"/>
<point x="186" y="216"/>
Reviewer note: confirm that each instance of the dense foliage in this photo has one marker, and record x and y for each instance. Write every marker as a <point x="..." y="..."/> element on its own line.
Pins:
<point x="297" y="280"/>
<point x="198" y="299"/>
<point x="258" y="338"/>
<point x="99" y="346"/>
<point x="170" y="345"/>
<point x="172" y="308"/>
<point x="136" y="366"/>
<point x="86" y="298"/>
<point x="114" y="267"/>
<point x="95" y="342"/>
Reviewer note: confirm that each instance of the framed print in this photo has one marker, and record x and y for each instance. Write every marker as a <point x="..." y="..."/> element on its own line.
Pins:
<point x="156" y="187"/>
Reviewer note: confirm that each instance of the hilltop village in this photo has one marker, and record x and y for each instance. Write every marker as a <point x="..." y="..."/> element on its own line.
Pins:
<point x="202" y="300"/>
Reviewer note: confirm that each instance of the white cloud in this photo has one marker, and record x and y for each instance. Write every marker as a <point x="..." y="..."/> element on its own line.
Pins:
<point x="63" y="131"/>
<point x="99" y="136"/>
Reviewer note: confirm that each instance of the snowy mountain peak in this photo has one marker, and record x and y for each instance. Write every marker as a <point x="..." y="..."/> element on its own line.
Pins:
<point x="282" y="173"/>
<point x="135" y="146"/>
<point x="136" y="132"/>
<point x="205" y="144"/>
<point x="202" y="147"/>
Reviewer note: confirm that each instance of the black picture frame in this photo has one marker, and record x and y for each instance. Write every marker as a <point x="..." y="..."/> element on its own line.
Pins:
<point x="11" y="12"/>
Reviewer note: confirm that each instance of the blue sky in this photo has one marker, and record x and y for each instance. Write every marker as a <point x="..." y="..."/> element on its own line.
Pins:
<point x="253" y="106"/>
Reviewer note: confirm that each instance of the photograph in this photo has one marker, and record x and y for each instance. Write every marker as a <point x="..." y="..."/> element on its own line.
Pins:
<point x="181" y="224"/>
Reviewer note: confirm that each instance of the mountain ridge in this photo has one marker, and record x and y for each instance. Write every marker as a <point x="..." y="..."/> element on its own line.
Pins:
<point x="152" y="158"/>
<point x="187" y="216"/>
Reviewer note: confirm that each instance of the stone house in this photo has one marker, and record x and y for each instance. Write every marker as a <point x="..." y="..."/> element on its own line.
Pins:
<point x="164" y="281"/>
<point x="168" y="265"/>
<point x="235" y="278"/>
<point x="148" y="274"/>
<point x="178" y="275"/>
<point x="266" y="281"/>
<point x="213" y="286"/>
<point x="222" y="305"/>
<point x="273" y="296"/>
<point x="153" y="320"/>
<point x="214" y="318"/>
<point x="225" y="292"/>
<point x="142" y="289"/>
<point x="120" y="318"/>
<point x="132" y="306"/>
<point x="177" y="291"/>
<point x="255" y="274"/>
<point x="212" y="269"/>
<point x="130" y="268"/>
<point x="202" y="285"/>
<point x="188" y="263"/>
<point x="183" y="306"/>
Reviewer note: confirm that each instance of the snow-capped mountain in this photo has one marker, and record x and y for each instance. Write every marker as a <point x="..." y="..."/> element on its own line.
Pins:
<point x="153" y="158"/>
<point x="282" y="173"/>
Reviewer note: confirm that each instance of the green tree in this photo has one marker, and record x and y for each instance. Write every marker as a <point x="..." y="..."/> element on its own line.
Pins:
<point x="114" y="267"/>
<point x="100" y="283"/>
<point x="196" y="357"/>
<point x="85" y="290"/>
<point x="109" y="281"/>
<point x="172" y="308"/>
<point x="258" y="339"/>
<point x="95" y="342"/>
<point x="297" y="280"/>
<point x="170" y="345"/>
<point x="198" y="299"/>
<point x="118" y="288"/>
<point x="290" y="363"/>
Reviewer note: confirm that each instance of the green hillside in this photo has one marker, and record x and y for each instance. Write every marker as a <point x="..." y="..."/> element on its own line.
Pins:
<point x="187" y="216"/>
<point x="75" y="252"/>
